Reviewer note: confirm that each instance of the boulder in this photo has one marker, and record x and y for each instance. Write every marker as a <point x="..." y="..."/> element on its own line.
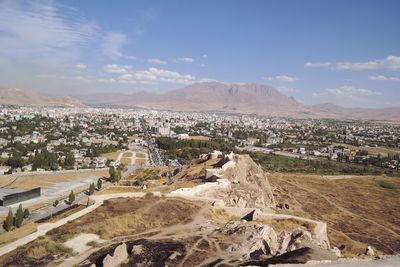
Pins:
<point x="119" y="256"/>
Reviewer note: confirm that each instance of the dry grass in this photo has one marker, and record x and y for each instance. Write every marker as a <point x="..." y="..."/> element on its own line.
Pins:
<point x="140" y="155"/>
<point x="111" y="156"/>
<point x="184" y="184"/>
<point x="47" y="181"/>
<point x="126" y="216"/>
<point x="140" y="162"/>
<point x="291" y="224"/>
<point x="219" y="216"/>
<point x="18" y="233"/>
<point x="120" y="189"/>
<point x="358" y="211"/>
<point x="47" y="247"/>
<point x="127" y="154"/>
<point x="126" y="161"/>
<point x="198" y="170"/>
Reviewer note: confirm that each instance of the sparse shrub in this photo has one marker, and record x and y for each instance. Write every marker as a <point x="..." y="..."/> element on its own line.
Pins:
<point x="45" y="248"/>
<point x="26" y="213"/>
<point x="65" y="237"/>
<point x="8" y="223"/>
<point x="71" y="197"/>
<point x="99" y="184"/>
<point x="149" y="194"/>
<point x="386" y="185"/>
<point x="91" y="189"/>
<point x="93" y="244"/>
<point x="19" y="216"/>
<point x="56" y="202"/>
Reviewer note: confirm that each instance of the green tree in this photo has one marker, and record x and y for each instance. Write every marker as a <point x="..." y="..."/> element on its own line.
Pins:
<point x="117" y="176"/>
<point x="69" y="160"/>
<point x="91" y="189"/>
<point x="26" y="213"/>
<point x="71" y="197"/>
<point x="99" y="184"/>
<point x="8" y="223"/>
<point x="19" y="216"/>
<point x="111" y="171"/>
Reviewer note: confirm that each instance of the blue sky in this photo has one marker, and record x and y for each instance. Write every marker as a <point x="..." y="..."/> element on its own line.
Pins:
<point x="345" y="52"/>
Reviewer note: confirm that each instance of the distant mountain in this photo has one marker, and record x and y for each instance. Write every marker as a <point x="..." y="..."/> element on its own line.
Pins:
<point x="210" y="96"/>
<point x="239" y="98"/>
<point x="15" y="96"/>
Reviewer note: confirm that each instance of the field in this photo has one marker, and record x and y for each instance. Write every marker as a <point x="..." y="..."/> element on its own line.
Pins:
<point x="371" y="150"/>
<point x="111" y="156"/>
<point x="278" y="163"/>
<point x="140" y="155"/>
<point x="46" y="181"/>
<point x="127" y="154"/>
<point x="359" y="211"/>
<point x="126" y="161"/>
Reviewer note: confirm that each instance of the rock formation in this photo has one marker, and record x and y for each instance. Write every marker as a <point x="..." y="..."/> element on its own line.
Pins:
<point x="119" y="256"/>
<point x="249" y="186"/>
<point x="253" y="240"/>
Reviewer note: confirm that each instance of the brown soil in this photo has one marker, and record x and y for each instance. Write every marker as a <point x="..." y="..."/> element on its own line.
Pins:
<point x="359" y="212"/>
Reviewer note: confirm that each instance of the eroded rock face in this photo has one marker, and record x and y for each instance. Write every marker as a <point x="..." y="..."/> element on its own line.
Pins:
<point x="252" y="240"/>
<point x="119" y="256"/>
<point x="250" y="187"/>
<point x="257" y="238"/>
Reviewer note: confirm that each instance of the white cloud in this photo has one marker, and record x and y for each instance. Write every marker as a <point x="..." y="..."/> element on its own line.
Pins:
<point x="154" y="74"/>
<point x="114" y="68"/>
<point x="125" y="77"/>
<point x="389" y="63"/>
<point x="81" y="66"/>
<point x="204" y="56"/>
<point x="150" y="75"/>
<point x="40" y="31"/>
<point x="156" y="61"/>
<point x="317" y="64"/>
<point x="281" y="78"/>
<point x="186" y="59"/>
<point x="346" y="91"/>
<point x="112" y="45"/>
<point x="383" y="78"/>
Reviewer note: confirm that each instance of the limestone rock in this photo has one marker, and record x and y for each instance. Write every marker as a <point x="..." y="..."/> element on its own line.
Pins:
<point x="249" y="187"/>
<point x="120" y="255"/>
<point x="370" y="251"/>
<point x="255" y="239"/>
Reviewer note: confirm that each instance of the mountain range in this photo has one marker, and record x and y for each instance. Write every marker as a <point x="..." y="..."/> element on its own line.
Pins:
<point x="16" y="96"/>
<point x="210" y="97"/>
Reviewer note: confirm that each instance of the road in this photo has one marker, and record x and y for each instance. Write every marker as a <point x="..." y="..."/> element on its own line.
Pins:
<point x="154" y="153"/>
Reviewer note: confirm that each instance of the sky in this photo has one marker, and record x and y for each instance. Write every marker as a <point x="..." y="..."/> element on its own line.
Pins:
<point x="345" y="51"/>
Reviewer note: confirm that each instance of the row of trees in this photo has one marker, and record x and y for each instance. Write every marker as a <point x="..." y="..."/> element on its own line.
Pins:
<point x="10" y="222"/>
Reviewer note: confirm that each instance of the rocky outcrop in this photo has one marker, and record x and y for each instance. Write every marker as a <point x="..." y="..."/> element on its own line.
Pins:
<point x="119" y="256"/>
<point x="249" y="186"/>
<point x="253" y="240"/>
